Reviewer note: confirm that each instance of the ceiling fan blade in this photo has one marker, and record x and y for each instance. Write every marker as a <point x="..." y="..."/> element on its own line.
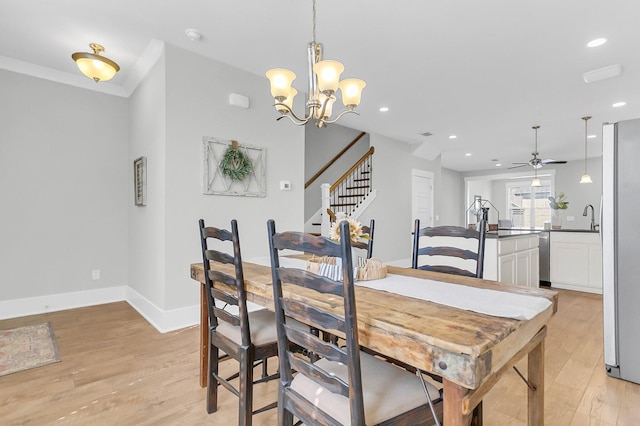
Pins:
<point x="521" y="165"/>
<point x="549" y="161"/>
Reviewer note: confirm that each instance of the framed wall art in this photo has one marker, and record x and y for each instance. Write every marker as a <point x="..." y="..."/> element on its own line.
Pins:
<point x="140" y="181"/>
<point x="231" y="168"/>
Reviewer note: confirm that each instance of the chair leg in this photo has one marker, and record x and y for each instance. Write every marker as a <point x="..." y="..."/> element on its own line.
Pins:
<point x="212" y="382"/>
<point x="285" y="417"/>
<point x="245" y="412"/>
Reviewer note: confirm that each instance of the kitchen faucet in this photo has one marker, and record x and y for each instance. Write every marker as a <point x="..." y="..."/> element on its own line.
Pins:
<point x="593" y="220"/>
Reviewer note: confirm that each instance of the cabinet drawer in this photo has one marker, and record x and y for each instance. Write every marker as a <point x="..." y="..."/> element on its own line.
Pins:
<point x="507" y="246"/>
<point x="526" y="243"/>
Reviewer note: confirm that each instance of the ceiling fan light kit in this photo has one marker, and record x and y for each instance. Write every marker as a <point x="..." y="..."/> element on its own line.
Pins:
<point x="94" y="65"/>
<point x="324" y="81"/>
<point x="586" y="177"/>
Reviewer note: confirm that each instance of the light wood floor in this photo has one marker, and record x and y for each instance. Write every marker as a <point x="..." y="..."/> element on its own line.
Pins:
<point x="116" y="369"/>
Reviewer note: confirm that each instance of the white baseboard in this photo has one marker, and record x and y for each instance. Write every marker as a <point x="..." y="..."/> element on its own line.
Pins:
<point x="60" y="302"/>
<point x="163" y="321"/>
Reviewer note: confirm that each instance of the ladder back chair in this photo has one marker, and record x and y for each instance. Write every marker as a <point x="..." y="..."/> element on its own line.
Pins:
<point x="435" y="252"/>
<point x="366" y="245"/>
<point x="345" y="386"/>
<point x="247" y="337"/>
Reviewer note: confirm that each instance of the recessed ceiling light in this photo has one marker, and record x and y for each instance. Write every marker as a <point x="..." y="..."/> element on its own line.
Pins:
<point x="193" y="34"/>
<point x="498" y="164"/>
<point x="592" y="136"/>
<point x="384" y="109"/>
<point x="468" y="154"/>
<point x="597" y="42"/>
<point x="452" y="137"/>
<point x="619" y="104"/>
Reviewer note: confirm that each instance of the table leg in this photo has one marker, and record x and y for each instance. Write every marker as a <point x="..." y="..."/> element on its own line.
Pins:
<point x="204" y="336"/>
<point x="536" y="379"/>
<point x="452" y="405"/>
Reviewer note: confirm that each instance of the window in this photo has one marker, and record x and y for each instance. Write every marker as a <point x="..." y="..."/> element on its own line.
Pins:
<point x="527" y="206"/>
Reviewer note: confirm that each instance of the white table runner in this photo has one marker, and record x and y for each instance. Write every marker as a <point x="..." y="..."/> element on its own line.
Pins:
<point x="481" y="300"/>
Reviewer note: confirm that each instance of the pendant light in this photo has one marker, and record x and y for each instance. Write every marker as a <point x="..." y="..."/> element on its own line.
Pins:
<point x="586" y="177"/>
<point x="94" y="65"/>
<point x="536" y="181"/>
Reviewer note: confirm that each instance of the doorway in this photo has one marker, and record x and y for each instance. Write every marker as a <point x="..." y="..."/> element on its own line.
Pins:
<point x="421" y="197"/>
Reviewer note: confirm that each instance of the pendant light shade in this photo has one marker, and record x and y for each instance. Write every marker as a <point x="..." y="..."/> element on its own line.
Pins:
<point x="586" y="177"/>
<point x="536" y="182"/>
<point x="94" y="65"/>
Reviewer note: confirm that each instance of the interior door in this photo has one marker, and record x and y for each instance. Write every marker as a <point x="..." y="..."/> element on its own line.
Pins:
<point x="422" y="197"/>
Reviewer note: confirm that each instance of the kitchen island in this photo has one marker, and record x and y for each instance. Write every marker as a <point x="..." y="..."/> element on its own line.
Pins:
<point x="512" y="256"/>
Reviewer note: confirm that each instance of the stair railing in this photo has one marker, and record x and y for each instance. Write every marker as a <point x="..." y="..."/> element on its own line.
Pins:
<point x="333" y="160"/>
<point x="348" y="192"/>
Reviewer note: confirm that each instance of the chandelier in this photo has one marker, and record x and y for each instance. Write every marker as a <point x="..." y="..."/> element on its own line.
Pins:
<point x="94" y="65"/>
<point x="324" y="76"/>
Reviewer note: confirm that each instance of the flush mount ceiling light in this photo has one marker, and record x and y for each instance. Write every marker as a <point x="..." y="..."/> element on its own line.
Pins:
<point x="94" y="65"/>
<point x="586" y="177"/>
<point x="324" y="81"/>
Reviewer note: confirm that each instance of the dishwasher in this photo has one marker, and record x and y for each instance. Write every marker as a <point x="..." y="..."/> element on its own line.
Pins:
<point x="543" y="248"/>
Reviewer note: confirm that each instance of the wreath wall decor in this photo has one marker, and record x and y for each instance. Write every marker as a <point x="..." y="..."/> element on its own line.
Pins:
<point x="235" y="164"/>
<point x="230" y="168"/>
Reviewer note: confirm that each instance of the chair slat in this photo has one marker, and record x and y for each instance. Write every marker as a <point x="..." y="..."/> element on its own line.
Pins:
<point x="447" y="270"/>
<point x="307" y="243"/>
<point x="220" y="234"/>
<point x="224" y="297"/>
<point x="226" y="316"/>
<point x="448" y="251"/>
<point x="308" y="279"/>
<point x="448" y="231"/>
<point x="332" y="383"/>
<point x="305" y="312"/>
<point x="218" y="276"/>
<point x="316" y="345"/>
<point x="218" y="256"/>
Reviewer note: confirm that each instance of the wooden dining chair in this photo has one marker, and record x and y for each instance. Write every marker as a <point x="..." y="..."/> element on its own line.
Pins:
<point x="469" y="261"/>
<point x="345" y="386"/>
<point x="247" y="337"/>
<point x="367" y="244"/>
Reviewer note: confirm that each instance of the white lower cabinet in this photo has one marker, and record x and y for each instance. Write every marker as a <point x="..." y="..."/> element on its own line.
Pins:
<point x="576" y="261"/>
<point x="513" y="260"/>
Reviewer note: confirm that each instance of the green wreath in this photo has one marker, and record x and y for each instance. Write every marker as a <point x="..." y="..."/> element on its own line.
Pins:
<point x="235" y="164"/>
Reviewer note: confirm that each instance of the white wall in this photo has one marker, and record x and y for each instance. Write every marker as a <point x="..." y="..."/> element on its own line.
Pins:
<point x="64" y="180"/>
<point x="392" y="163"/>
<point x="147" y="230"/>
<point x="451" y="201"/>
<point x="197" y="90"/>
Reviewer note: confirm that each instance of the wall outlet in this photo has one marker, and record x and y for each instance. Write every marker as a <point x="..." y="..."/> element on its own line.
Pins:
<point x="95" y="274"/>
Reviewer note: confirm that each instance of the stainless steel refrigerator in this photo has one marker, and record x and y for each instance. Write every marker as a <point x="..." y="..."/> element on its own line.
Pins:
<point x="620" y="231"/>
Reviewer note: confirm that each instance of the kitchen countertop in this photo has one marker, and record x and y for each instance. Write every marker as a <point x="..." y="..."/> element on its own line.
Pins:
<point x="547" y="230"/>
<point x="507" y="233"/>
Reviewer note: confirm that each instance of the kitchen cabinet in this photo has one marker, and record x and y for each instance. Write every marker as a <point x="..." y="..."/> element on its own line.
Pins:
<point x="576" y="261"/>
<point x="513" y="258"/>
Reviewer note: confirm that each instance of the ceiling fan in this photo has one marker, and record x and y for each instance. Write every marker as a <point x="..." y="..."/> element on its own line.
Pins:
<point x="537" y="162"/>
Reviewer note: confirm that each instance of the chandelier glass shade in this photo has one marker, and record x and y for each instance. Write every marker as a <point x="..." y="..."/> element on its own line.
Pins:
<point x="324" y="82"/>
<point x="586" y="177"/>
<point x="94" y="65"/>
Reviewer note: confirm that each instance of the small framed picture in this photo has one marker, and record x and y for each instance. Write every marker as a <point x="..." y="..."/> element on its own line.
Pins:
<point x="140" y="181"/>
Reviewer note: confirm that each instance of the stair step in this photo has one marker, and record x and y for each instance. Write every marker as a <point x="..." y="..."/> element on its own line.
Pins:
<point x="357" y="187"/>
<point x="365" y="173"/>
<point x="351" y="196"/>
<point x="344" y="205"/>
<point x="362" y="180"/>
<point x="316" y="224"/>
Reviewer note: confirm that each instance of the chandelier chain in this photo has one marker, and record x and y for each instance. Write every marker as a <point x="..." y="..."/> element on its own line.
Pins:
<point x="314" y="21"/>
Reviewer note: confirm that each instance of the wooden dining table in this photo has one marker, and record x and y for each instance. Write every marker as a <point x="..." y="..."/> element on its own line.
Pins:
<point x="469" y="350"/>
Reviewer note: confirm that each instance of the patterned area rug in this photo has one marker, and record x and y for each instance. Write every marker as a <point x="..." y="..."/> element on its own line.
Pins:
<point x="27" y="347"/>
